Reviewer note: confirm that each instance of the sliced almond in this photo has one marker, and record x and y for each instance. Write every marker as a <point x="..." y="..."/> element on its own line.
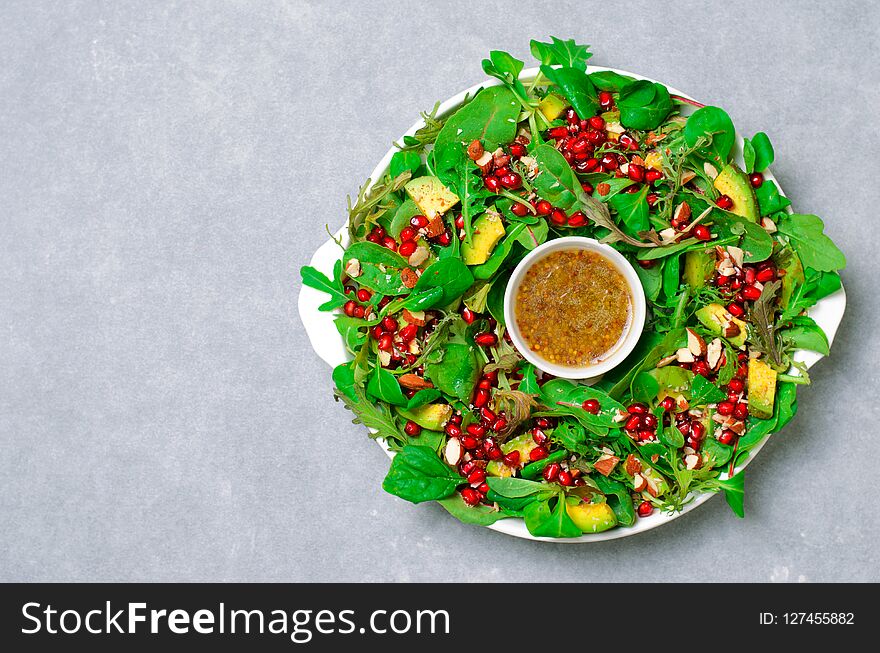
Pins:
<point x="663" y="362"/>
<point x="713" y="353"/>
<point x="768" y="225"/>
<point x="710" y="170"/>
<point x="632" y="465"/>
<point x="730" y="329"/>
<point x="414" y="317"/>
<point x="452" y="452"/>
<point x="696" y="344"/>
<point x="682" y="403"/>
<point x="682" y="213"/>
<point x="668" y="235"/>
<point x="692" y="461"/>
<point x="353" y="269"/>
<point x="653" y="488"/>
<point x="605" y="465"/>
<point x="485" y="161"/>
<point x="736" y="254"/>
<point x="684" y="355"/>
<point x="384" y="358"/>
<point x="419" y="256"/>
<point x="639" y="482"/>
<point x="620" y="416"/>
<point x="688" y="176"/>
<point x="614" y="128"/>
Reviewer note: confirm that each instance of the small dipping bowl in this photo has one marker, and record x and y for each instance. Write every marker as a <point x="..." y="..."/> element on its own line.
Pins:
<point x="631" y="333"/>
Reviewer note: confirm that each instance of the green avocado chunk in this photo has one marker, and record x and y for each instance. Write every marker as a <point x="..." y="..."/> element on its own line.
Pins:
<point x="698" y="267"/>
<point x="592" y="517"/>
<point x="716" y="318"/>
<point x="430" y="416"/>
<point x="762" y="389"/>
<point x="734" y="183"/>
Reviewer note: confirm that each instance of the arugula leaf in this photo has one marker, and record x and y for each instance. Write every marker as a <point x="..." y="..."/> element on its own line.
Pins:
<point x="571" y="436"/>
<point x="576" y="87"/>
<point x="417" y="474"/>
<point x="643" y="104"/>
<point x="372" y="202"/>
<point x="316" y="279"/>
<point x="350" y="330"/>
<point x="815" y="249"/>
<point x="377" y="417"/>
<point x="504" y="66"/>
<point x="705" y="392"/>
<point x="561" y="53"/>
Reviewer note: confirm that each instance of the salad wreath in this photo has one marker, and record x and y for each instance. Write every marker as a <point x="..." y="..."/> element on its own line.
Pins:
<point x="728" y="271"/>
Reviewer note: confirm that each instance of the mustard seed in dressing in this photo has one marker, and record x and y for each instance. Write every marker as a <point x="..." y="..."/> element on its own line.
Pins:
<point x="573" y="307"/>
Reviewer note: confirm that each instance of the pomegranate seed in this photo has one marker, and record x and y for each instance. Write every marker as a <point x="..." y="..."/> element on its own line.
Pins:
<point x="469" y="442"/>
<point x="591" y="406"/>
<point x="349" y="307"/>
<point x="483" y="489"/>
<point x="358" y="312"/>
<point x="605" y="98"/>
<point x="519" y="209"/>
<point x="386" y="342"/>
<point x="633" y="423"/>
<point x="645" y="435"/>
<point x="725" y="408"/>
<point x="733" y="396"/>
<point x="539" y="436"/>
<point x="550" y="472"/>
<point x="486" y="339"/>
<point x="377" y="331"/>
<point x="735" y="385"/>
<point x="727" y="437"/>
<point x="408" y="333"/>
<point x="649" y="421"/>
<point x="544" y="207"/>
<point x="492" y="184"/>
<point x="558" y="133"/>
<point x="637" y="408"/>
<point x="577" y="219"/>
<point x="373" y="238"/>
<point x="751" y="293"/>
<point x="456" y="419"/>
<point x="766" y="275"/>
<point x="724" y="202"/>
<point x="749" y="275"/>
<point x="452" y="430"/>
<point x="499" y="424"/>
<point x="538" y="453"/>
<point x="558" y="216"/>
<point x="645" y="508"/>
<point x="364" y="295"/>
<point x="476" y="430"/>
<point x="470" y="496"/>
<point x="389" y="324"/>
<point x="701" y="232"/>
<point x="591" y="164"/>
<point x="380" y="232"/>
<point x="444" y="239"/>
<point x="485" y="384"/>
<point x="481" y="398"/>
<point x="406" y="248"/>
<point x="487" y="416"/>
<point x="698" y="430"/>
<point x="468" y="315"/>
<point x="701" y="368"/>
<point x="668" y="403"/>
<point x="412" y="429"/>
<point x="476" y="477"/>
<point x="653" y="175"/>
<point x="756" y="179"/>
<point x="564" y="478"/>
<point x="647" y="265"/>
<point x="635" y="172"/>
<point x="595" y="137"/>
<point x="742" y="371"/>
<point x="587" y="188"/>
<point x="512" y="459"/>
<point x="543" y="423"/>
<point x="628" y="142"/>
<point x="597" y="122"/>
<point x="579" y="145"/>
<point x="741" y="411"/>
<point x="408" y="233"/>
<point x="736" y="310"/>
<point x="418" y="221"/>
<point x="609" y="162"/>
<point x="467" y="467"/>
<point x="684" y="427"/>
<point x="511" y="181"/>
<point x="652" y="198"/>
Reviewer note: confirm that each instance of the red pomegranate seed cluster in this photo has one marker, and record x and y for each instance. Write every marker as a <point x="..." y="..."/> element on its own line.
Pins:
<point x="641" y="425"/>
<point x="744" y="285"/>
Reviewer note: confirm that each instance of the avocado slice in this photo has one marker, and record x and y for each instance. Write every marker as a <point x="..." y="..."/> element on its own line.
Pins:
<point x="794" y="277"/>
<point x="431" y="196"/>
<point x="552" y="106"/>
<point x="698" y="267"/>
<point x="714" y="315"/>
<point x="592" y="517"/>
<point x="762" y="389"/>
<point x="430" y="416"/>
<point x="522" y="443"/>
<point x="488" y="230"/>
<point x="734" y="183"/>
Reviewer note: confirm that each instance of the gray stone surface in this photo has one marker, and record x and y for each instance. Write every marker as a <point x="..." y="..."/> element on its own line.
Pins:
<point x="165" y="168"/>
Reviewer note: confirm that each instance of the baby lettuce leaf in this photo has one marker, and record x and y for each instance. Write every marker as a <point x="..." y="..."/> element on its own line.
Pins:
<point x="422" y="397"/>
<point x="576" y="87"/>
<point x="608" y="80"/>
<point x="643" y="104"/>
<point x="757" y="153"/>
<point x="491" y="118"/>
<point x="815" y="249"/>
<point x="457" y="372"/>
<point x="417" y="474"/>
<point x="343" y="379"/>
<point x="450" y="275"/>
<point x="561" y="53"/>
<point x="481" y="515"/>
<point x="504" y="66"/>
<point x="542" y="521"/>
<point x="404" y="161"/>
<point x="515" y="488"/>
<point x="316" y="279"/>
<point x="715" y="123"/>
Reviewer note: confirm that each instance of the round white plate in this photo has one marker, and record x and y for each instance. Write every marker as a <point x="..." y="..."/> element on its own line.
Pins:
<point x="329" y="346"/>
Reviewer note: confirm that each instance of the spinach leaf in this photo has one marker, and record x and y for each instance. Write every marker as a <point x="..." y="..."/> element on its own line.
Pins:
<point x="770" y="200"/>
<point x="404" y="161"/>
<point x="757" y="244"/>
<point x="632" y="210"/>
<point x="534" y="234"/>
<point x="608" y="80"/>
<point x="670" y="436"/>
<point x="514" y="488"/>
<point x="645" y="387"/>
<point x="815" y="249"/>
<point x="563" y="397"/>
<point x="491" y="118"/>
<point x="400" y="219"/>
<point x="316" y="279"/>
<point x="507" y="68"/>
<point x="542" y="521"/>
<point x="417" y="474"/>
<point x="457" y="372"/>
<point x="576" y="87"/>
<point x="705" y="392"/>
<point x="671" y="276"/>
<point x="495" y="299"/>
<point x="450" y="275"/>
<point x="718" y="453"/>
<point x="481" y="515"/>
<point x="715" y="123"/>
<point x="806" y="334"/>
<point x="761" y="152"/>
<point x="422" y="397"/>
<point x="561" y="53"/>
<point x="652" y="280"/>
<point x="500" y="253"/>
<point x="343" y="379"/>
<point x="734" y="492"/>
<point x="643" y="104"/>
<point x="383" y="385"/>
<point x="367" y="252"/>
<point x="618" y="497"/>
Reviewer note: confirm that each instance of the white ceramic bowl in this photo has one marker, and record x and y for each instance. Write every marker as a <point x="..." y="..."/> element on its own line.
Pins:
<point x="329" y="346"/>
<point x="629" y="339"/>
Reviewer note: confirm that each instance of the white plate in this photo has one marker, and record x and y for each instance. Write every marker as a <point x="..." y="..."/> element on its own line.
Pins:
<point x="328" y="344"/>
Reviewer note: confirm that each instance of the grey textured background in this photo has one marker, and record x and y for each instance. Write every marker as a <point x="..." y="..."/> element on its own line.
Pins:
<point x="165" y="168"/>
